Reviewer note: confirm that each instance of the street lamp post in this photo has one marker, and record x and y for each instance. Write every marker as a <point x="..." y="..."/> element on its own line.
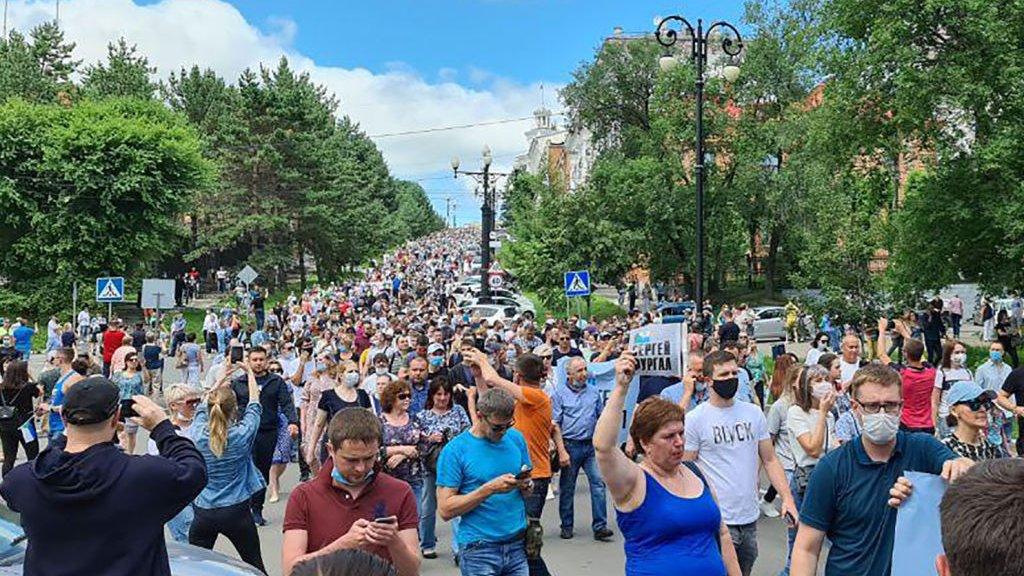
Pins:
<point x="488" y="179"/>
<point x="699" y="40"/>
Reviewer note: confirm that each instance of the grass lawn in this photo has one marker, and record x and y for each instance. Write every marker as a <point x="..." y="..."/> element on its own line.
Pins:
<point x="602" y="308"/>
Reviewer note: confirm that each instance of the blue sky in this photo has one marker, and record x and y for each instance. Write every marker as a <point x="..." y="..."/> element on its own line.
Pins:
<point x="523" y="40"/>
<point x="394" y="65"/>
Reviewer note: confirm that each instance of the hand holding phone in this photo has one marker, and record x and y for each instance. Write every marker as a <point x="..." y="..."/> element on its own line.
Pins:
<point x="389" y="520"/>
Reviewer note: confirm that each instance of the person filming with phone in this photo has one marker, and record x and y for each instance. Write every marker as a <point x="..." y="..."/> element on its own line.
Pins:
<point x="351" y="503"/>
<point x="85" y="502"/>
<point x="223" y="505"/>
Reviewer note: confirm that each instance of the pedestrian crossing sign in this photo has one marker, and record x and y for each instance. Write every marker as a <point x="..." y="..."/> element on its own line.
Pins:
<point x="577" y="283"/>
<point x="110" y="289"/>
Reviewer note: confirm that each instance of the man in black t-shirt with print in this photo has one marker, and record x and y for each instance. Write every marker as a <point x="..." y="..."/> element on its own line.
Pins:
<point x="1014" y="385"/>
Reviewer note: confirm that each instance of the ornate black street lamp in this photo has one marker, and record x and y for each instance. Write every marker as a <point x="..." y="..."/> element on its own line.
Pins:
<point x="699" y="41"/>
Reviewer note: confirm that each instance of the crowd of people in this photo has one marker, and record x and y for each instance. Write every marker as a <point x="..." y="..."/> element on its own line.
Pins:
<point x="399" y="408"/>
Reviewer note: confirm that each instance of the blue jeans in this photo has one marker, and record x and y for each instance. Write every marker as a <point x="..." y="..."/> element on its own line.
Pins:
<point x="798" y="498"/>
<point x="417" y="491"/>
<point x="179" y="525"/>
<point x="428" y="511"/>
<point x="489" y="559"/>
<point x="535" y="509"/>
<point x="581" y="455"/>
<point x="428" y="515"/>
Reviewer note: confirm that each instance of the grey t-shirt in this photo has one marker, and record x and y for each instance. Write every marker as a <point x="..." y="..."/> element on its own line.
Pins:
<point x="777" y="428"/>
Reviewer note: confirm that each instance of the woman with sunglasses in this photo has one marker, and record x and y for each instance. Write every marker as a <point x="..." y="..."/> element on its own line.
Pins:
<point x="283" y="449"/>
<point x="345" y="394"/>
<point x="403" y="437"/>
<point x="182" y="402"/>
<point x="969" y="406"/>
<point x="129" y="381"/>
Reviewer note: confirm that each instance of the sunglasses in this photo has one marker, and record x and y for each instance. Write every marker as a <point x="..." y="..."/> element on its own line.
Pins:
<point x="192" y="402"/>
<point x="977" y="404"/>
<point x="404" y="396"/>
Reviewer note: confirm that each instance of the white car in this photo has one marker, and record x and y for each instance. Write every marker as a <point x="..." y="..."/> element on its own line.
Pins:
<point x="769" y="323"/>
<point x="492" y="312"/>
<point x="526" y="310"/>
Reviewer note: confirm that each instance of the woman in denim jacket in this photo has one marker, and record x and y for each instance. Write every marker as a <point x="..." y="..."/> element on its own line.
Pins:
<point x="223" y="506"/>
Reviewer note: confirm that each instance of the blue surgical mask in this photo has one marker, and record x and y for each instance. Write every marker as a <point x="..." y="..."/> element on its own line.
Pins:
<point x="321" y="366"/>
<point x="436" y="361"/>
<point x="995" y="355"/>
<point x="337" y="477"/>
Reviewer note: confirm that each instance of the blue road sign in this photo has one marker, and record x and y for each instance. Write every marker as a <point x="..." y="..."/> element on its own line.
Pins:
<point x="577" y="283"/>
<point x="110" y="289"/>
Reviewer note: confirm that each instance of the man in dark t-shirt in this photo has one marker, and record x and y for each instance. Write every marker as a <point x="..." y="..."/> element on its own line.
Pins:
<point x="729" y="331"/>
<point x="1014" y="385"/>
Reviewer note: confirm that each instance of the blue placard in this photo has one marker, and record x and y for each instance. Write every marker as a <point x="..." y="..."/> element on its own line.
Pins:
<point x="110" y="289"/>
<point x="577" y="283"/>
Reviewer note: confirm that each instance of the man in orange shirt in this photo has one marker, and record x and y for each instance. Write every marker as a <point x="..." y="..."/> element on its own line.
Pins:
<point x="533" y="419"/>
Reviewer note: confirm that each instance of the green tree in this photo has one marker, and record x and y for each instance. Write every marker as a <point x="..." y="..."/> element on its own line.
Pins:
<point x="37" y="70"/>
<point x="125" y="74"/>
<point x="90" y="190"/>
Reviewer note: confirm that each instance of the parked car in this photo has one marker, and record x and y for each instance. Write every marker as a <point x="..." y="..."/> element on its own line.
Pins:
<point x="676" y="312"/>
<point x="527" y="311"/>
<point x="492" y="312"/>
<point x="769" y="323"/>
<point x="185" y="559"/>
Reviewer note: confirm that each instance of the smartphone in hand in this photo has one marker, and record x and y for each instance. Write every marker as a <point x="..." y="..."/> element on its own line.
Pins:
<point x="236" y="354"/>
<point x="390" y="520"/>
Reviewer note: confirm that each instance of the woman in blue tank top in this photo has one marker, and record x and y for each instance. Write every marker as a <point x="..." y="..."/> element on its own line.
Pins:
<point x="666" y="511"/>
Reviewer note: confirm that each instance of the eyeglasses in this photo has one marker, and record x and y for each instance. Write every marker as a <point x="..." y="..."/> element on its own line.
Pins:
<point x="404" y="396"/>
<point x="977" y="404"/>
<point x="500" y="427"/>
<point x="876" y="407"/>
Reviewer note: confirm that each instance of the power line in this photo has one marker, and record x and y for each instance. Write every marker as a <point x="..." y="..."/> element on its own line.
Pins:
<point x="458" y="127"/>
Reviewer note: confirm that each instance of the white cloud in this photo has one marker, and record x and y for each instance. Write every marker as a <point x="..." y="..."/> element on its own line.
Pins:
<point x="213" y="34"/>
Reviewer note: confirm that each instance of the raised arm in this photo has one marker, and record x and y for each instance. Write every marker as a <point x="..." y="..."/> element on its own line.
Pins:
<point x="483" y="370"/>
<point x="881" y="347"/>
<point x="621" y="475"/>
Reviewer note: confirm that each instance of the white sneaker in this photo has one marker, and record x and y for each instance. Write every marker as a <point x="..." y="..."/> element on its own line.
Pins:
<point x="551" y="493"/>
<point x="768" y="509"/>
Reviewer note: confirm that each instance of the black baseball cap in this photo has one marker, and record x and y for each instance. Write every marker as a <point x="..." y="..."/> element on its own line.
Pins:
<point x="91" y="401"/>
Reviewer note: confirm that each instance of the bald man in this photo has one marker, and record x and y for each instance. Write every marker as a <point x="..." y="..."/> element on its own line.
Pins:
<point x="850" y="360"/>
<point x="693" y="389"/>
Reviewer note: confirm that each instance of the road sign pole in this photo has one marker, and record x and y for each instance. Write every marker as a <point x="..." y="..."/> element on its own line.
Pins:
<point x="110" y="312"/>
<point x="74" y="304"/>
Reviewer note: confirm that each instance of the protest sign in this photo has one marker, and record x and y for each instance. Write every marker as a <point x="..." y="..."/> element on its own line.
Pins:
<point x="601" y="375"/>
<point x="659" y="349"/>
<point x="918" y="537"/>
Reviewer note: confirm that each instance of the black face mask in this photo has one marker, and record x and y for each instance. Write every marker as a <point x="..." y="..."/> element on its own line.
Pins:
<point x="726" y="388"/>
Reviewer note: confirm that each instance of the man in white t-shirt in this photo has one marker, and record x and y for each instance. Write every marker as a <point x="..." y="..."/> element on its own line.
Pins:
<point x="727" y="439"/>
<point x="84" y="323"/>
<point x="850" y="360"/>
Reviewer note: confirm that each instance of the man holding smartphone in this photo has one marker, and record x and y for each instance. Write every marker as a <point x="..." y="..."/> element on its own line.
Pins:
<point x="483" y="478"/>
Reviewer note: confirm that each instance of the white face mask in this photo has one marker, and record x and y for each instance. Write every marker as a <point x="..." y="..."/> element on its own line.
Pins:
<point x="881" y="428"/>
<point x="380" y="370"/>
<point x="821" y="389"/>
<point x="351" y="379"/>
<point x="959" y="359"/>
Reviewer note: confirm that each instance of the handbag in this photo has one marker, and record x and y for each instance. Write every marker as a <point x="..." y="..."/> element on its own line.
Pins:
<point x="7" y="411"/>
<point x="434" y="453"/>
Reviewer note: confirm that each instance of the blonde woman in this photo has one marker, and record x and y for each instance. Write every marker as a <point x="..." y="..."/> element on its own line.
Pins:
<point x="232" y="478"/>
